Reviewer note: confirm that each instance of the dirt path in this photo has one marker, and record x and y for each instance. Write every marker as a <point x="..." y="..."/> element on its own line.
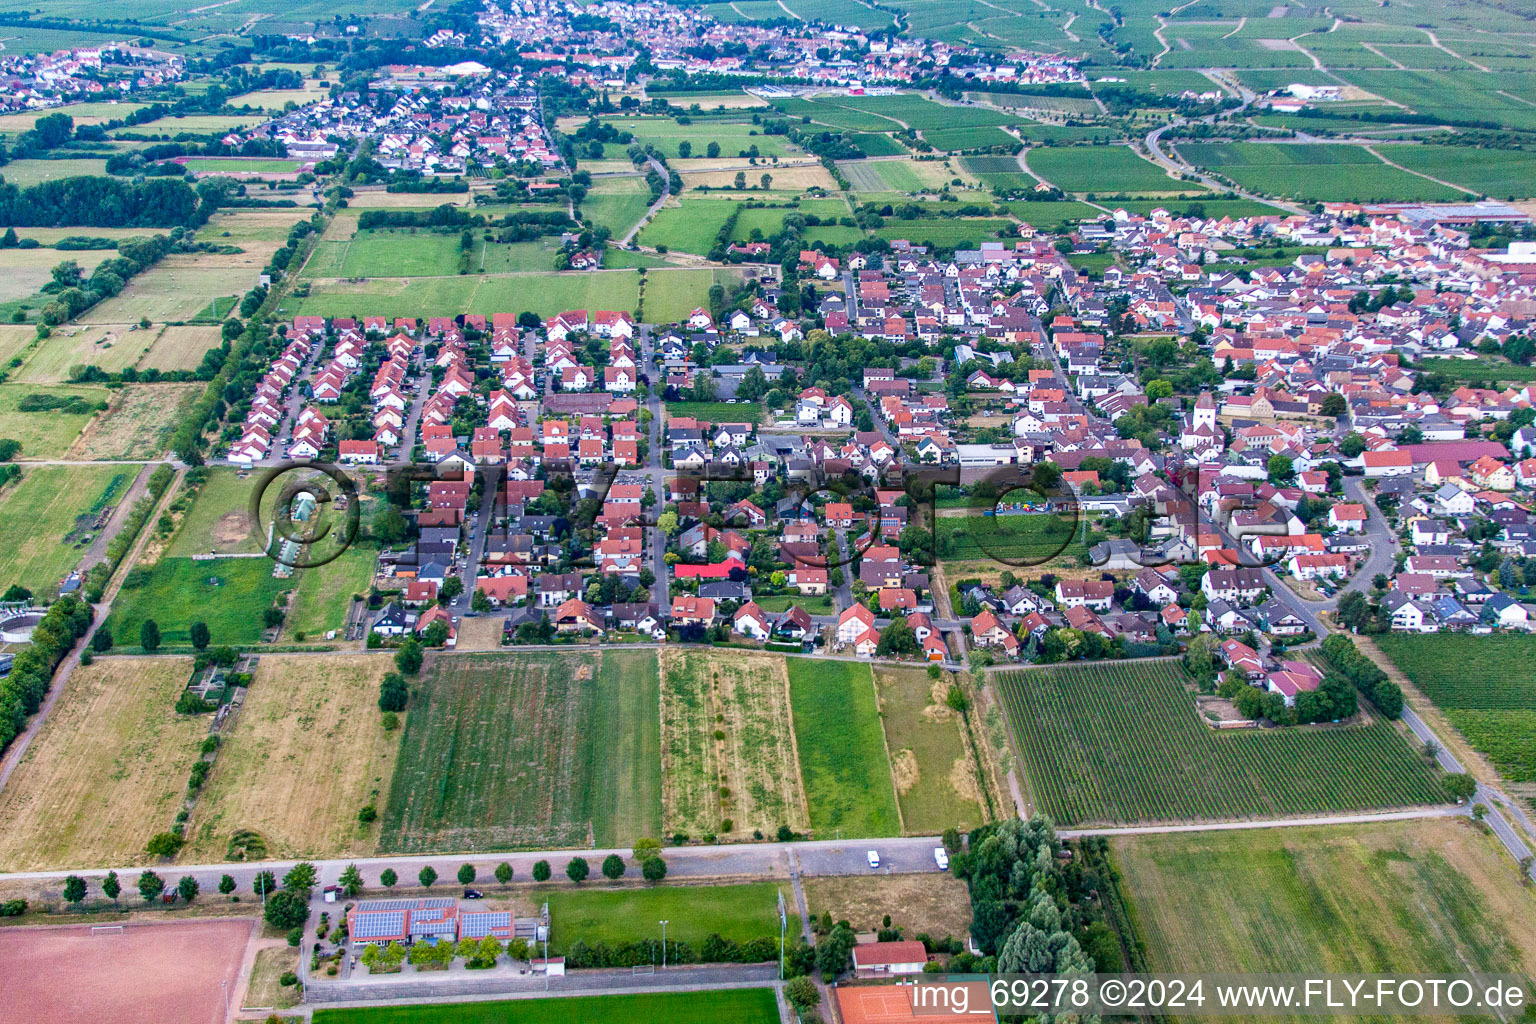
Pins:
<point x="98" y="549"/>
<point x="1438" y="181"/>
<point x="1434" y="41"/>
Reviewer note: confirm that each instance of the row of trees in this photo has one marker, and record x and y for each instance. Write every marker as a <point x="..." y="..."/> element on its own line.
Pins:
<point x="21" y="692"/>
<point x="75" y="294"/>
<point x="102" y="202"/>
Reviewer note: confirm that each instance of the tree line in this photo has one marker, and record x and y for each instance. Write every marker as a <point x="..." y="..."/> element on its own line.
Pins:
<point x="103" y="202"/>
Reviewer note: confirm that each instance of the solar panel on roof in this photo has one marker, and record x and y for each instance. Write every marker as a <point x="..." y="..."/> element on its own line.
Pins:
<point x="378" y="925"/>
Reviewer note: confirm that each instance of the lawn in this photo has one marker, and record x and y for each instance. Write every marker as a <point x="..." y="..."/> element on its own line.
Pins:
<point x="1018" y="540"/>
<point x="1121" y="743"/>
<point x="220" y="519"/>
<point x="324" y="593"/>
<point x="1324" y="172"/>
<point x="843" y="761"/>
<point x="1484" y="686"/>
<point x="934" y="772"/>
<point x="1102" y="169"/>
<point x="1404" y="898"/>
<point x="47" y="518"/>
<point x="306" y="753"/>
<point x="728" y="744"/>
<point x="544" y="294"/>
<point x="593" y="914"/>
<point x="712" y="1006"/>
<point x="716" y="412"/>
<point x="226" y="593"/>
<point x="107" y="770"/>
<point x="45" y="434"/>
<point x="1500" y="173"/>
<point x="545" y="750"/>
<point x="23" y="173"/>
<point x="671" y="295"/>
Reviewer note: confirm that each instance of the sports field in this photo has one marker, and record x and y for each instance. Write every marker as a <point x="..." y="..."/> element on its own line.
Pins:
<point x="1102" y="169"/>
<point x="1313" y="171"/>
<point x="1121" y="743"/>
<point x="306" y="754"/>
<point x="714" y="1006"/>
<point x="544" y="750"/>
<point x="931" y="763"/>
<point x="106" y="771"/>
<point x="226" y="593"/>
<point x="593" y="914"/>
<point x="1414" y="897"/>
<point x="728" y="744"/>
<point x="48" y="517"/>
<point x="843" y="762"/>
<point x="1483" y="684"/>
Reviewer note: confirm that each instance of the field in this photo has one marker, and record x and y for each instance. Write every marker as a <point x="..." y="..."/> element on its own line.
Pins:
<point x="306" y="752"/>
<point x="1102" y="169"/>
<point x="240" y="166"/>
<point x="922" y="114"/>
<point x="38" y="519"/>
<point x="1121" y="744"/>
<point x="200" y="123"/>
<point x="24" y="271"/>
<point x="1484" y="686"/>
<point x="145" y="972"/>
<point x="617" y="204"/>
<point x="692" y="912"/>
<point x="998" y="172"/>
<point x="504" y="751"/>
<point x="32" y="172"/>
<point x="179" y="287"/>
<point x="894" y="175"/>
<point x="181" y="348"/>
<point x="1315" y="171"/>
<point x="690" y="227"/>
<point x="978" y="137"/>
<point x="226" y="593"/>
<point x="138" y="423"/>
<point x="107" y="770"/>
<point x="239" y="226"/>
<point x="934" y="772"/>
<point x="220" y="519"/>
<point x="1500" y="173"/>
<point x="843" y="761"/>
<point x="671" y="295"/>
<point x="948" y="232"/>
<point x="112" y="347"/>
<point x="728" y="744"/>
<point x="734" y="137"/>
<point x="324" y="594"/>
<point x="544" y="294"/>
<point x="82" y="113"/>
<point x="790" y="179"/>
<point x="716" y="412"/>
<point x="714" y="1006"/>
<point x="265" y="987"/>
<point x="1020" y="540"/>
<point x="936" y="903"/>
<point x="1410" y="898"/>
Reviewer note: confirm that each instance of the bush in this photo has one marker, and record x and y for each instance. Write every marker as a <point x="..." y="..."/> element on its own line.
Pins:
<point x="368" y="814"/>
<point x="286" y="910"/>
<point x="654" y="869"/>
<point x="288" y="979"/>
<point x="613" y="867"/>
<point x="393" y="692"/>
<point x="577" y="869"/>
<point x="541" y="871"/>
<point x="165" y="844"/>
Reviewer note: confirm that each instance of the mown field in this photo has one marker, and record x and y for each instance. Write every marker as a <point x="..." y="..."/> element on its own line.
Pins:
<point x="1483" y="684"/>
<point x="948" y="232"/>
<point x="45" y="434"/>
<point x="308" y="751"/>
<point x="843" y="763"/>
<point x="544" y="750"/>
<point x="544" y="294"/>
<point x="1419" y="897"/>
<point x="728" y="744"/>
<point x="1010" y="540"/>
<point x="931" y="763"/>
<point x="592" y="914"/>
<point x="715" y="1006"/>
<point x="1121" y="743"/>
<point x="690" y="227"/>
<point x="1314" y="171"/>
<point x="671" y="295"/>
<point x="105" y="772"/>
<point x="38" y="520"/>
<point x="617" y="204"/>
<point x="138" y="423"/>
<point x="324" y="593"/>
<point x="1102" y="169"/>
<point x="226" y="593"/>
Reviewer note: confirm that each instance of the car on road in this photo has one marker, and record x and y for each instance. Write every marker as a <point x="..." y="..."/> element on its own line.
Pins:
<point x="473" y="894"/>
<point x="874" y="858"/>
<point x="941" y="858"/>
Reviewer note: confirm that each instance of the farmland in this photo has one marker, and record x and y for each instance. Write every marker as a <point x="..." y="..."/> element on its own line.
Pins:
<point x="544" y="294"/>
<point x="1121" y="744"/>
<point x="226" y="593"/>
<point x="672" y="294"/>
<point x="1102" y="169"/>
<point x="1421" y="897"/>
<point x="1018" y="540"/>
<point x="1483" y="684"/>
<point x="934" y="773"/>
<point x="46" y="434"/>
<point x="179" y="287"/>
<point x="41" y="520"/>
<point x="728" y="745"/>
<point x="718" y="1006"/>
<point x="691" y="226"/>
<point x="894" y="175"/>
<point x="1501" y="173"/>
<point x="1314" y="171"/>
<point x="617" y="203"/>
<point x="693" y="912"/>
<point x="112" y="347"/>
<point x="947" y="232"/>
<point x="998" y="172"/>
<point x="107" y="770"/>
<point x="975" y="137"/>
<point x="138" y="422"/>
<point x="734" y="138"/>
<point x="843" y="762"/>
<point x="24" y="271"/>
<point x="503" y="751"/>
<point x="306" y="753"/>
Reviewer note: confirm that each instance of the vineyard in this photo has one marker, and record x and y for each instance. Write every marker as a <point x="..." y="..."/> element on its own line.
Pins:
<point x="1120" y="743"/>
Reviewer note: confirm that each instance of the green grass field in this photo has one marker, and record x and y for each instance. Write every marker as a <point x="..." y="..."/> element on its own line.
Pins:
<point x="594" y="914"/>
<point x="843" y="761"/>
<point x="1500" y="173"/>
<point x="934" y="771"/>
<point x="44" y="434"/>
<point x="717" y="412"/>
<point x="1122" y="743"/>
<point x="974" y="137"/>
<point x="39" y="520"/>
<point x="1336" y="172"/>
<point x="219" y="519"/>
<point x="617" y="203"/>
<point x="227" y="593"/>
<point x="1017" y="540"/>
<point x="1483" y="684"/>
<point x="506" y="751"/>
<point x="691" y="227"/>
<point x="947" y="232"/>
<point x="733" y="137"/>
<point x="672" y="294"/>
<point x="1102" y="169"/>
<point x="324" y="593"/>
<point x="237" y="165"/>
<point x="1051" y="216"/>
<point x="544" y="294"/>
<point x="716" y="1006"/>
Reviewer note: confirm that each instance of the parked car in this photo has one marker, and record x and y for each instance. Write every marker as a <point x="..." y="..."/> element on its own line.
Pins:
<point x="473" y="894"/>
<point x="941" y="858"/>
<point x="874" y="858"/>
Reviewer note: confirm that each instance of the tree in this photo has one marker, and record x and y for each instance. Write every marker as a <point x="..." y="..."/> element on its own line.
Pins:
<point x="74" y="889"/>
<point x="264" y="884"/>
<point x="351" y="880"/>
<point x="408" y="658"/>
<point x="101" y="640"/>
<point x="741" y="179"/>
<point x="393" y="691"/>
<point x="286" y="909"/>
<point x="613" y="867"/>
<point x="684" y="149"/>
<point x="1334" y="404"/>
<point x="1354" y="611"/>
<point x="426" y="876"/>
<point x="466" y="874"/>
<point x="187" y="888"/>
<point x="1460" y="785"/>
<point x="766" y="181"/>
<point x="151" y="886"/>
<point x="646" y="848"/>
<point x="897" y="638"/>
<point x="388" y="878"/>
<point x="541" y="871"/>
<point x="480" y="602"/>
<point x="164" y="844"/>
<point x="452" y="587"/>
<point x="226" y="884"/>
<point x="654" y="869"/>
<point x="199" y="634"/>
<point x="577" y="869"/>
<point x="110" y="886"/>
<point x="149" y="635"/>
<point x="802" y="993"/>
<point x="301" y="879"/>
<point x="712" y="150"/>
<point x="1281" y="468"/>
<point x="1351" y="445"/>
<point x="1157" y="389"/>
<point x="504" y="873"/>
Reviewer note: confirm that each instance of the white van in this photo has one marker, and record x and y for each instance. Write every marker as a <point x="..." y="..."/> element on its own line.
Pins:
<point x="941" y="858"/>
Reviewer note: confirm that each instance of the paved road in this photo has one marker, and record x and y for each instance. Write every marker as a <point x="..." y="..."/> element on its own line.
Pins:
<point x="665" y="194"/>
<point x="460" y="984"/>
